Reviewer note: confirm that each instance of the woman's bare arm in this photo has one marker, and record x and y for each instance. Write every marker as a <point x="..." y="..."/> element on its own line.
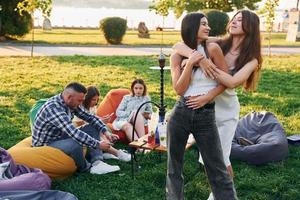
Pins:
<point x="218" y="59"/>
<point x="239" y="78"/>
<point x="217" y="56"/>
<point x="182" y="49"/>
<point x="181" y="78"/>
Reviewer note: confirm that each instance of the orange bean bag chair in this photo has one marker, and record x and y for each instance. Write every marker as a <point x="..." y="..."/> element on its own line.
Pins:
<point x="109" y="105"/>
<point x="50" y="160"/>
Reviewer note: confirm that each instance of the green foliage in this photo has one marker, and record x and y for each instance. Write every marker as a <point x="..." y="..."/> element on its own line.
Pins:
<point x="29" y="6"/>
<point x="269" y="11"/>
<point x="162" y="6"/>
<point x="114" y="29"/>
<point x="12" y="23"/>
<point x="217" y="21"/>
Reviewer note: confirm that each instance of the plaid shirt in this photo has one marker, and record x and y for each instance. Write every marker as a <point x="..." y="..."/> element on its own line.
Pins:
<point x="55" y="119"/>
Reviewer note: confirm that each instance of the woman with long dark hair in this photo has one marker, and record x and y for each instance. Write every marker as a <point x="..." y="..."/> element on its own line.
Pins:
<point x="242" y="50"/>
<point x="190" y="82"/>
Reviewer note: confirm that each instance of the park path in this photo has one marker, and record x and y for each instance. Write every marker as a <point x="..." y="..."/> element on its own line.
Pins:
<point x="7" y="49"/>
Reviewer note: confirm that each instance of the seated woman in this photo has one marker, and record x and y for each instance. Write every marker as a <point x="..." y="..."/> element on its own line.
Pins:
<point x="90" y="104"/>
<point x="127" y="110"/>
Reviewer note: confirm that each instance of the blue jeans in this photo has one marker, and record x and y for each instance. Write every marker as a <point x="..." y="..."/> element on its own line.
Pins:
<point x="201" y="123"/>
<point x="73" y="149"/>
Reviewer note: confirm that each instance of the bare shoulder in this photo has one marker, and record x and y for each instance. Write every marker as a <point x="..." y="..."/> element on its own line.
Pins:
<point x="214" y="49"/>
<point x="250" y="66"/>
<point x="175" y="59"/>
<point x="254" y="61"/>
<point x="212" y="46"/>
<point x="175" y="56"/>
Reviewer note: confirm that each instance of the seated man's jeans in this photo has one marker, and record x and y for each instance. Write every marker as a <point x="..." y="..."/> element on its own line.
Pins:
<point x="73" y="149"/>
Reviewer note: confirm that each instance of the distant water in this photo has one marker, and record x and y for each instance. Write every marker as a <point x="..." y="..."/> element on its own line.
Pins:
<point x="90" y="17"/>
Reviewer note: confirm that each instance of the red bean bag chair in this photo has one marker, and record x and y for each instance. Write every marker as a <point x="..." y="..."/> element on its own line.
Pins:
<point x="109" y="105"/>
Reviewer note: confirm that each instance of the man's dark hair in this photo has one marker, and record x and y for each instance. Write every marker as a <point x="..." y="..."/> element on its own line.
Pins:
<point x="76" y="87"/>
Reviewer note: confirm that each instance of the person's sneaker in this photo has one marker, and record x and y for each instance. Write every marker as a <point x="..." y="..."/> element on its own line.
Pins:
<point x="126" y="157"/>
<point x="211" y="196"/>
<point x="109" y="156"/>
<point x="103" y="168"/>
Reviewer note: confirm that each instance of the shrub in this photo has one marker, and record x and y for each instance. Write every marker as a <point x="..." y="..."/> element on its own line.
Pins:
<point x="114" y="29"/>
<point x="12" y="24"/>
<point x="217" y="21"/>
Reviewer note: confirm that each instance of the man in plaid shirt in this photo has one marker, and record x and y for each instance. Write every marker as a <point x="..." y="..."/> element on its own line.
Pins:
<point x="53" y="127"/>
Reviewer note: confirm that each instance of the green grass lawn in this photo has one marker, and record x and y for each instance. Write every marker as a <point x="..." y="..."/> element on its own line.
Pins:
<point x="23" y="81"/>
<point x="95" y="37"/>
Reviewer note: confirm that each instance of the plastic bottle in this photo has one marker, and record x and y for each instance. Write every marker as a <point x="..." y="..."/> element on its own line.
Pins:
<point x="162" y="129"/>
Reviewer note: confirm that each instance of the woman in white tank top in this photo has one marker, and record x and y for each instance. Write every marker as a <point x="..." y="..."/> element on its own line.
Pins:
<point x="242" y="50"/>
<point x="189" y="83"/>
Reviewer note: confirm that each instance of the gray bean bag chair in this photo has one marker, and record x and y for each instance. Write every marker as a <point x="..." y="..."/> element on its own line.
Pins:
<point x="259" y="139"/>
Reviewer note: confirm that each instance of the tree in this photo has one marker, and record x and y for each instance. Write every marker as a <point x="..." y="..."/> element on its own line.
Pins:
<point x="269" y="11"/>
<point x="29" y="6"/>
<point x="178" y="6"/>
<point x="12" y="23"/>
<point x="161" y="7"/>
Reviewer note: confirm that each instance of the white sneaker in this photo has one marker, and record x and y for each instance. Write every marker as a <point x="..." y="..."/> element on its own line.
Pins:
<point x="211" y="196"/>
<point x="126" y="157"/>
<point x="103" y="168"/>
<point x="109" y="156"/>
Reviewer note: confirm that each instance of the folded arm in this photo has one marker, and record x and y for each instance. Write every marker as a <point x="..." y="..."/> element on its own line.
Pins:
<point x="181" y="78"/>
<point x="239" y="78"/>
<point x="218" y="58"/>
<point x="183" y="50"/>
